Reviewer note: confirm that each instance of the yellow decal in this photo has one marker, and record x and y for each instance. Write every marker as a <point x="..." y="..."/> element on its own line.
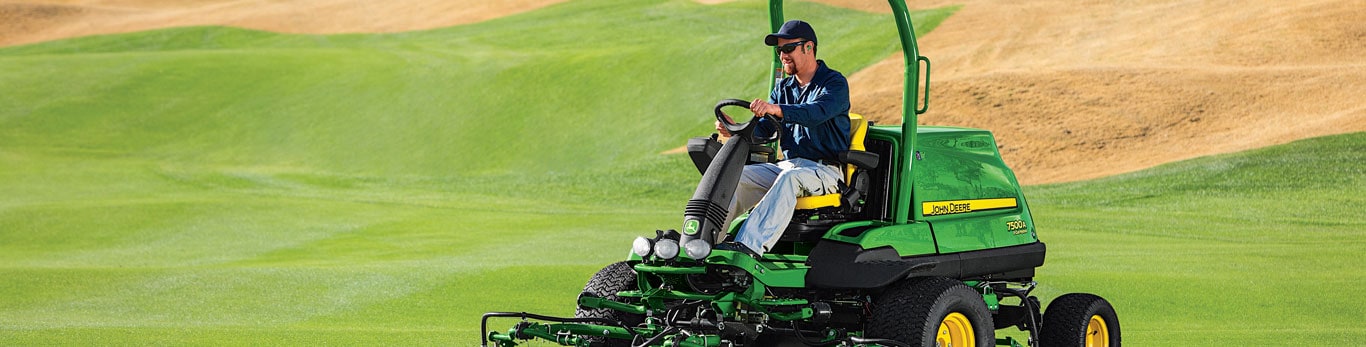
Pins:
<point x="1017" y="226"/>
<point x="938" y="208"/>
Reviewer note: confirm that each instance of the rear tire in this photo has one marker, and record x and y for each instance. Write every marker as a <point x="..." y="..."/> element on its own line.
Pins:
<point x="932" y="311"/>
<point x="606" y="283"/>
<point x="1080" y="320"/>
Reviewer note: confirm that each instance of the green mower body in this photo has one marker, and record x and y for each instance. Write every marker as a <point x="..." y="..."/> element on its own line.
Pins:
<point x="931" y="244"/>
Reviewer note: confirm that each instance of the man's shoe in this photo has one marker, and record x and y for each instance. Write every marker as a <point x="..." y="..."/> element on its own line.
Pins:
<point x="737" y="247"/>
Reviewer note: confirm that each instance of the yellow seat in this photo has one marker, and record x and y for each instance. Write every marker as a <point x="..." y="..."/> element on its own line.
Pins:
<point x="859" y="126"/>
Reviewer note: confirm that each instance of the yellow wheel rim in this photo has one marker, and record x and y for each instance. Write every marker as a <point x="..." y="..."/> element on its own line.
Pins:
<point x="1097" y="334"/>
<point x="955" y="331"/>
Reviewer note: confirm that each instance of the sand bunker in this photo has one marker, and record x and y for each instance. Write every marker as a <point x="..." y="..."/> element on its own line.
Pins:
<point x="1084" y="89"/>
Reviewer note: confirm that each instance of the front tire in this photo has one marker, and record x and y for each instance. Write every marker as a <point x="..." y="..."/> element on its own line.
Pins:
<point x="932" y="311"/>
<point x="1080" y="320"/>
<point x="606" y="283"/>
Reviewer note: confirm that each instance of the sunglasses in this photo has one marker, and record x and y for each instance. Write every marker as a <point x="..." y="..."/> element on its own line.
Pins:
<point x="788" y="48"/>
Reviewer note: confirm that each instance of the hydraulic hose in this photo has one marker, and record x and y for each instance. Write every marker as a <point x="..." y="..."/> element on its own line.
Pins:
<point x="484" y="322"/>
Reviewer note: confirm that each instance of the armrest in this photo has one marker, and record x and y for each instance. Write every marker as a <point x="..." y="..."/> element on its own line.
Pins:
<point x="866" y="160"/>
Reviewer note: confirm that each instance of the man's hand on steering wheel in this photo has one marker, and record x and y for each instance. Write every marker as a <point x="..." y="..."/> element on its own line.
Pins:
<point x="761" y="108"/>
<point x="721" y="128"/>
<point x="725" y="125"/>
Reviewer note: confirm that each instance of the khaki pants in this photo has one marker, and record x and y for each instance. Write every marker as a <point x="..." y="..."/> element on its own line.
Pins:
<point x="773" y="189"/>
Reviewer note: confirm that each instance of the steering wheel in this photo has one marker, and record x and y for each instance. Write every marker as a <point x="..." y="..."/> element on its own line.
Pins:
<point x="746" y="128"/>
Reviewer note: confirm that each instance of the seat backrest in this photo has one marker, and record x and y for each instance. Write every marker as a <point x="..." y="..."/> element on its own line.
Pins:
<point x="858" y="126"/>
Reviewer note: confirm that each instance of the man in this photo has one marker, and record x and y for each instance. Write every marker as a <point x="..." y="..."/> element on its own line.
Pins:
<point x="812" y="105"/>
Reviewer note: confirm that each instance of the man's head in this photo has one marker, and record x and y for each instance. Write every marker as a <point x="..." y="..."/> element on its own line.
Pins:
<point x="796" y="44"/>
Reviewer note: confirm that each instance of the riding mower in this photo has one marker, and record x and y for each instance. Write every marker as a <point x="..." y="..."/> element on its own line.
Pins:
<point x="929" y="243"/>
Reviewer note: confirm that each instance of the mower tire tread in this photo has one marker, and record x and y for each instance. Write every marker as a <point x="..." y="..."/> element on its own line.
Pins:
<point x="606" y="283"/>
<point x="911" y="311"/>
<point x="1065" y="322"/>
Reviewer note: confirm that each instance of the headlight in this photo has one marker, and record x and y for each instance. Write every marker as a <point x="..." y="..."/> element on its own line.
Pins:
<point x="666" y="249"/>
<point x="697" y="249"/>
<point x="641" y="247"/>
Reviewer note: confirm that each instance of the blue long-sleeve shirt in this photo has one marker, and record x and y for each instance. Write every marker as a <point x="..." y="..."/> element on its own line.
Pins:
<point x="815" y="123"/>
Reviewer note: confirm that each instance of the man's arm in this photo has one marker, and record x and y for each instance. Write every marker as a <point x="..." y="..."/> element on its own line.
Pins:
<point x="832" y="100"/>
<point x="763" y="130"/>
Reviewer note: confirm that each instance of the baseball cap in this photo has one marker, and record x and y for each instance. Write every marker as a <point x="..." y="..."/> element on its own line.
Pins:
<point x="791" y="30"/>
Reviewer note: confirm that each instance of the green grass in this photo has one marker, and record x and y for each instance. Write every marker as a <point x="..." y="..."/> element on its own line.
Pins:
<point x="536" y="91"/>
<point x="214" y="185"/>
<point x="221" y="186"/>
<point x="1252" y="246"/>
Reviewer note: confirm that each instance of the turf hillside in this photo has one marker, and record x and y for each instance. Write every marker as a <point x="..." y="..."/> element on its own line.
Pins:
<point x="223" y="186"/>
<point x="581" y="85"/>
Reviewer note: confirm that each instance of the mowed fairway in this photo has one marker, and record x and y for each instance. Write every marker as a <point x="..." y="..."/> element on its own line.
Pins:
<point x="223" y="186"/>
<point x="213" y="185"/>
<point x="1246" y="248"/>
